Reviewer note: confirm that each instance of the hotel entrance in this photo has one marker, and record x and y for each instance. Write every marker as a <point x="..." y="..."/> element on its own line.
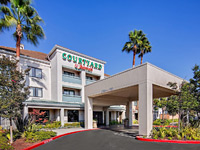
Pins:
<point x="98" y="116"/>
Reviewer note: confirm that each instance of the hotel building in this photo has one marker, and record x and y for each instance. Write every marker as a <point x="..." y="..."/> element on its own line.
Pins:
<point x="57" y="84"/>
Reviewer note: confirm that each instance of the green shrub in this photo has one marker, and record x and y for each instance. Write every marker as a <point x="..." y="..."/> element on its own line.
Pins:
<point x="38" y="135"/>
<point x="72" y="124"/>
<point x="164" y="122"/>
<point x="169" y="138"/>
<point x="115" y="122"/>
<point x="4" y="143"/>
<point x="135" y="121"/>
<point x="53" y="125"/>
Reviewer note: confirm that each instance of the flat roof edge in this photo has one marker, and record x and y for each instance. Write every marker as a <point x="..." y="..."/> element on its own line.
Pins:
<point x="76" y="53"/>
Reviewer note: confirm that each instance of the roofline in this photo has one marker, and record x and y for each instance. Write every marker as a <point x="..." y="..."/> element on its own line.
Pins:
<point x="74" y="52"/>
<point x="144" y="64"/>
<point x="25" y="57"/>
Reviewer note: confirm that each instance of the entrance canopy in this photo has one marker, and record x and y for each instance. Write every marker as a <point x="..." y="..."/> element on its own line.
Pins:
<point x="142" y="83"/>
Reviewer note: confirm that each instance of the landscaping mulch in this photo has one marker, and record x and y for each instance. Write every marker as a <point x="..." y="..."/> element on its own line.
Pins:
<point x="20" y="144"/>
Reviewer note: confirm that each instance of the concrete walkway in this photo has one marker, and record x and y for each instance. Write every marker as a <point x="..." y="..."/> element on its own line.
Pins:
<point x="109" y="140"/>
<point x="62" y="131"/>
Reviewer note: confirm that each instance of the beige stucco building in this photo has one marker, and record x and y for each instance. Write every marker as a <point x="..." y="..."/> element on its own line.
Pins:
<point x="72" y="87"/>
<point x="57" y="81"/>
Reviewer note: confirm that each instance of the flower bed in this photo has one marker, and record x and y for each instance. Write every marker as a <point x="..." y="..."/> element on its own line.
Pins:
<point x="168" y="141"/>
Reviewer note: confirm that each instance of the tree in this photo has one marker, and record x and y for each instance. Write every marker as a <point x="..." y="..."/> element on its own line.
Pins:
<point x="184" y="102"/>
<point x="4" y="2"/>
<point x="172" y="105"/>
<point x="195" y="81"/>
<point x="162" y="104"/>
<point x="144" y="47"/>
<point x="135" y="39"/>
<point x="22" y="16"/>
<point x="13" y="90"/>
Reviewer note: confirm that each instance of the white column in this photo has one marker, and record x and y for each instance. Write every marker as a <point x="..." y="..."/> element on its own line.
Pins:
<point x="130" y="113"/>
<point x="114" y="115"/>
<point x="25" y="110"/>
<point x="89" y="113"/>
<point x="62" y="117"/>
<point x="107" y="117"/>
<point x="83" y="76"/>
<point x="145" y="107"/>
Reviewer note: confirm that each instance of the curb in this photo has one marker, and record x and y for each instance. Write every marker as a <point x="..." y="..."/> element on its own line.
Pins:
<point x="56" y="137"/>
<point x="168" y="141"/>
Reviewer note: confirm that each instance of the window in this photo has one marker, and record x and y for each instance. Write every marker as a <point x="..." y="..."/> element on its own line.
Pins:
<point x="35" y="72"/>
<point x="89" y="78"/>
<point x="69" y="73"/>
<point x="69" y="92"/>
<point x="36" y="92"/>
<point x="72" y="115"/>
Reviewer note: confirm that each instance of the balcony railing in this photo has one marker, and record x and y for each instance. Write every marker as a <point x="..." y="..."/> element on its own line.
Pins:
<point x="89" y="81"/>
<point x="71" y="79"/>
<point x="72" y="98"/>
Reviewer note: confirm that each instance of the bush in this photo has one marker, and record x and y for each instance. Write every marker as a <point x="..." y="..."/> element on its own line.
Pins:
<point x="72" y="124"/>
<point x="165" y="122"/>
<point x="186" y="133"/>
<point x="135" y="121"/>
<point x="53" y="125"/>
<point x="115" y="122"/>
<point x="4" y="142"/>
<point x="38" y="135"/>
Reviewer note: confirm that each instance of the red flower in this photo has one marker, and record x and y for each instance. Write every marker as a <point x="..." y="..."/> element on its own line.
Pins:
<point x="13" y="81"/>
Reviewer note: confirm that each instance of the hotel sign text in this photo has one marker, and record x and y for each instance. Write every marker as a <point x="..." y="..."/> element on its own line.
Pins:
<point x="81" y="63"/>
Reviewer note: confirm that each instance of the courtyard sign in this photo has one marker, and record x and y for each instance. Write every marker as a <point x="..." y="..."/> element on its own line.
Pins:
<point x="81" y="63"/>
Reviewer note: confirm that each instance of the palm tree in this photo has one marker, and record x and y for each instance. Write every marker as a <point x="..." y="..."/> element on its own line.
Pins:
<point x="25" y="19"/>
<point x="133" y="43"/>
<point x="4" y="2"/>
<point x="144" y="47"/>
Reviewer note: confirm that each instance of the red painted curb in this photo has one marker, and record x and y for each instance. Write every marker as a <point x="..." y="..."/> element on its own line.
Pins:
<point x="56" y="137"/>
<point x="168" y="141"/>
<point x="165" y="126"/>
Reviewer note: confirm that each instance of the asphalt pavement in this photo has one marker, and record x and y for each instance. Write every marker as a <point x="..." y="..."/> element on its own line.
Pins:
<point x="109" y="140"/>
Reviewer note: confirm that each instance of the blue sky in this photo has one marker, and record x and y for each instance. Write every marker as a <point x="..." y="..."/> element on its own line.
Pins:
<point x="100" y="28"/>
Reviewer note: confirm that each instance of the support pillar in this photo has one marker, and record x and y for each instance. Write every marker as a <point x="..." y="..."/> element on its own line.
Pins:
<point x="62" y="117"/>
<point x="145" y="107"/>
<point x="83" y="76"/>
<point x="107" y="117"/>
<point x="89" y="113"/>
<point x="130" y="118"/>
<point x="25" y="111"/>
<point x="115" y="115"/>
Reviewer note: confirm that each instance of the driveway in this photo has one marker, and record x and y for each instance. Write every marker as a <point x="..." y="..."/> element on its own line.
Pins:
<point x="109" y="140"/>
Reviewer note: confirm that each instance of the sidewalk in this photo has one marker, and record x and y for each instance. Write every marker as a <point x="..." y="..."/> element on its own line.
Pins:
<point x="62" y="131"/>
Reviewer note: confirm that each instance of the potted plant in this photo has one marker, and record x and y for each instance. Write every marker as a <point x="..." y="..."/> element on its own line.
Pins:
<point x="94" y="123"/>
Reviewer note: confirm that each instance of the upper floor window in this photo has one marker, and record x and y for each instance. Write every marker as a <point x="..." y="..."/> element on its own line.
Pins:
<point x="69" y="92"/>
<point x="36" y="92"/>
<point x="89" y="78"/>
<point x="35" y="72"/>
<point x="69" y="73"/>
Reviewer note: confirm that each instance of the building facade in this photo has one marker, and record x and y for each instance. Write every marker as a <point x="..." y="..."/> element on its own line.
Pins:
<point x="57" y="81"/>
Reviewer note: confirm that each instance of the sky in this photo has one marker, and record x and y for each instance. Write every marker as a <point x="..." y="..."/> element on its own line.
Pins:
<point x="100" y="28"/>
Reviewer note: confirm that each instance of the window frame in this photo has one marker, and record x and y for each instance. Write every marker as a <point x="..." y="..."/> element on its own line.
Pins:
<point x="68" y="92"/>
<point x="72" y="74"/>
<point x="34" y="92"/>
<point x="34" y="72"/>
